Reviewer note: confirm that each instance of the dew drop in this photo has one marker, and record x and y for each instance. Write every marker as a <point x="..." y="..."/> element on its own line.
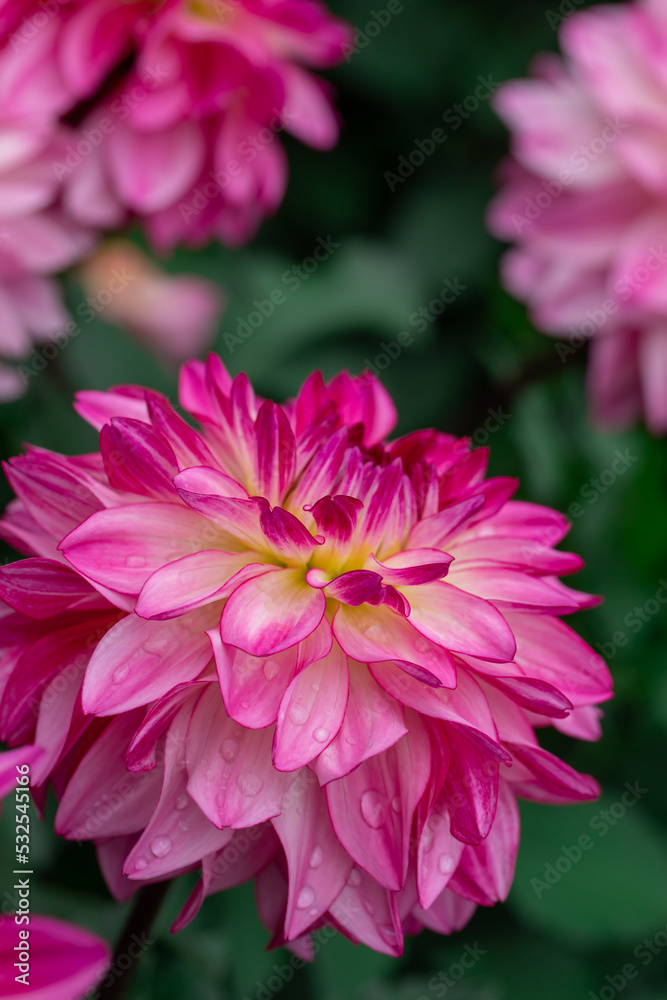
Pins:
<point x="298" y="714"/>
<point x="160" y="846"/>
<point x="396" y="803"/>
<point x="140" y="864"/>
<point x="354" y="878"/>
<point x="184" y="824"/>
<point x="374" y="808"/>
<point x="445" y="864"/>
<point x="322" y="735"/>
<point x="315" y="686"/>
<point x="120" y="673"/>
<point x="229" y="750"/>
<point x="368" y="906"/>
<point x="305" y="898"/>
<point x="271" y="668"/>
<point x="181" y="802"/>
<point x="316" y="856"/>
<point x="313" y="912"/>
<point x="249" y="784"/>
<point x="351" y="740"/>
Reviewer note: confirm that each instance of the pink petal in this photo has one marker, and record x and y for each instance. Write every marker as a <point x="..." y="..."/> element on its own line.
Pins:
<point x="122" y="546"/>
<point x="375" y="634"/>
<point x="311" y="711"/>
<point x="365" y="911"/>
<point x="41" y="588"/>
<point x="459" y="621"/>
<point x="438" y="855"/>
<point x="486" y="870"/>
<point x="372" y="808"/>
<point x="138" y="661"/>
<point x="152" y="170"/>
<point x="272" y="612"/>
<point x="252" y="686"/>
<point x="232" y="779"/>
<point x="317" y="864"/>
<point x="102" y="799"/>
<point x="190" y="582"/>
<point x="373" y="722"/>
<point x="276" y="452"/>
<point x="65" y="961"/>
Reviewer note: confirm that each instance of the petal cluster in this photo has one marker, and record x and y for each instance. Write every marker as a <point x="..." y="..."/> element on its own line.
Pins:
<point x="179" y="105"/>
<point x="278" y="646"/>
<point x="585" y="201"/>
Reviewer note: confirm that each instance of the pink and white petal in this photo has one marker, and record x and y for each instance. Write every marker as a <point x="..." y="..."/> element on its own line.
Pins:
<point x="514" y="590"/>
<point x="317" y="864"/>
<point x="120" y="547"/>
<point x="152" y="170"/>
<point x="311" y="711"/>
<point x="178" y="834"/>
<point x="373" y="722"/>
<point x="272" y="612"/>
<point x="287" y="535"/>
<point x="412" y="566"/>
<point x="582" y="724"/>
<point x="372" y="807"/>
<point x="11" y="760"/>
<point x="460" y="621"/>
<point x="190" y="582"/>
<point x="237" y="520"/>
<point x="229" y="766"/>
<point x="212" y="482"/>
<point x="138" y="661"/>
<point x="97" y="408"/>
<point x="374" y="634"/>
<point x="252" y="686"/>
<point x="276" y="452"/>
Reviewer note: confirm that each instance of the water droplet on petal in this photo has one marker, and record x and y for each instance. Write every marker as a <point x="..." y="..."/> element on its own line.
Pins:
<point x="396" y="803"/>
<point x="315" y="686"/>
<point x="351" y="740"/>
<point x="445" y="864"/>
<point x="185" y="824"/>
<point x="298" y="714"/>
<point x="271" y="668"/>
<point x="313" y="912"/>
<point x="140" y="864"/>
<point x="160" y="846"/>
<point x="229" y="750"/>
<point x="368" y="906"/>
<point x="316" y="856"/>
<point x="322" y="735"/>
<point x="374" y="808"/>
<point x="305" y="898"/>
<point x="354" y="878"/>
<point x="181" y="802"/>
<point x="120" y="673"/>
<point x="249" y="784"/>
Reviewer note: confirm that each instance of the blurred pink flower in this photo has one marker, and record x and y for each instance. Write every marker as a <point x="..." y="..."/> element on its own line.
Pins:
<point x="585" y="200"/>
<point x="37" y="239"/>
<point x="282" y="647"/>
<point x="186" y="137"/>
<point x="64" y="962"/>
<point x="174" y="315"/>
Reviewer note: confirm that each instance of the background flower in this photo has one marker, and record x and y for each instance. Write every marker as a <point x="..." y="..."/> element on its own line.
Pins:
<point x="584" y="200"/>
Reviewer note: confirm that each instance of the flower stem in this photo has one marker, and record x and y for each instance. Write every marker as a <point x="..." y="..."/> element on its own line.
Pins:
<point x="135" y="938"/>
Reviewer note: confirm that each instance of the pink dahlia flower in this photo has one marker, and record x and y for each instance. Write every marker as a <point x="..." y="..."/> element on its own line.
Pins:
<point x="282" y="647"/>
<point x="37" y="239"/>
<point x="184" y="104"/>
<point x="63" y="962"/>
<point x="173" y="315"/>
<point x="585" y="200"/>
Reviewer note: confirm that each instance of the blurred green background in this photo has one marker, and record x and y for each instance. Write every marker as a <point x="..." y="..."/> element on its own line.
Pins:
<point x="396" y="251"/>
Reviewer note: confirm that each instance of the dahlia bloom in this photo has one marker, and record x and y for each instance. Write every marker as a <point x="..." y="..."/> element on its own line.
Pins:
<point x="184" y="102"/>
<point x="282" y="647"/>
<point x="65" y="962"/>
<point x="173" y="315"/>
<point x="585" y="200"/>
<point x="37" y="239"/>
